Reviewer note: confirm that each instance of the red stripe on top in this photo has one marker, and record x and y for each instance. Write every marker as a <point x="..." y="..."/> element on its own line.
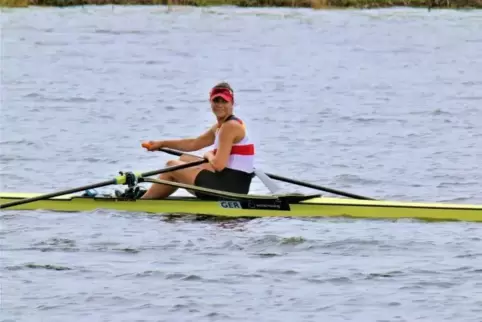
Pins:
<point x="247" y="149"/>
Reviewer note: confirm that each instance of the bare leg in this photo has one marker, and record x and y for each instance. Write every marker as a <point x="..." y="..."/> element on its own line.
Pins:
<point x="188" y="175"/>
<point x="188" y="158"/>
<point x="159" y="191"/>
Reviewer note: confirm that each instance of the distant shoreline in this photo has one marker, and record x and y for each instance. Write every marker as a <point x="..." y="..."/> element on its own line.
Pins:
<point x="316" y="4"/>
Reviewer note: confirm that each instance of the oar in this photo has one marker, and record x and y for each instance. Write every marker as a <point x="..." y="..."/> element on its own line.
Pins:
<point x="117" y="180"/>
<point x="313" y="186"/>
<point x="292" y="181"/>
<point x="270" y="184"/>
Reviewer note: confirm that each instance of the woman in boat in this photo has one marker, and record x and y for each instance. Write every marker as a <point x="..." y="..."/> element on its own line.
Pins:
<point x="230" y="164"/>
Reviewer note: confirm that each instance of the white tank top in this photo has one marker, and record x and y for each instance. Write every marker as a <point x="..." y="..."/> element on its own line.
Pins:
<point x="242" y="153"/>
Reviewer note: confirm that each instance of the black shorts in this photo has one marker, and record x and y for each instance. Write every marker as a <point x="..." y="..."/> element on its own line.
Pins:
<point x="228" y="180"/>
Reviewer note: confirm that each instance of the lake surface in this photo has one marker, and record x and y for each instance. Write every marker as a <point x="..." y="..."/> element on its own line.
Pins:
<point x="382" y="103"/>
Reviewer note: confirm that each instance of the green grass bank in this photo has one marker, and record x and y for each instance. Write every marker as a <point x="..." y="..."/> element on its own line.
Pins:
<point x="317" y="4"/>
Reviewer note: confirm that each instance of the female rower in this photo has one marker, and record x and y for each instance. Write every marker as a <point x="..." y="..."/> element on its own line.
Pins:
<point x="230" y="164"/>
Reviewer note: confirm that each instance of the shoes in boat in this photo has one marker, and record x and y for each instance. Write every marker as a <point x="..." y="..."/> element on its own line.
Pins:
<point x="90" y="193"/>
<point x="132" y="193"/>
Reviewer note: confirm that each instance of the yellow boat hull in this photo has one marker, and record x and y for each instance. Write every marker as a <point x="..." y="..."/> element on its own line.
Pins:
<point x="315" y="207"/>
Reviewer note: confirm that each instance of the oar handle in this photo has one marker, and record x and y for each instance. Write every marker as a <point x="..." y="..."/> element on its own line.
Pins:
<point x="147" y="145"/>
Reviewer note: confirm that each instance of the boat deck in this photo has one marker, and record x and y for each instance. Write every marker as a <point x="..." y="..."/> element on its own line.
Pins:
<point x="259" y="207"/>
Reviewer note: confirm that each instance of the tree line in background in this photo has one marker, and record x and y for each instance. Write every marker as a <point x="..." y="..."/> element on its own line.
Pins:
<point x="317" y="4"/>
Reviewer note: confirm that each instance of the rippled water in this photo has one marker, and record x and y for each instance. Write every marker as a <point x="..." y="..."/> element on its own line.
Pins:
<point x="384" y="103"/>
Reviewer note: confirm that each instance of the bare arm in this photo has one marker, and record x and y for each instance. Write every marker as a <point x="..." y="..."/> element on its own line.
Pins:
<point x="187" y="145"/>
<point x="228" y="134"/>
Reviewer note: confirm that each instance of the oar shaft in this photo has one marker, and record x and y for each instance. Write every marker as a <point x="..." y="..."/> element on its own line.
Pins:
<point x="118" y="180"/>
<point x="317" y="187"/>
<point x="56" y="194"/>
<point x="174" y="168"/>
<point x="176" y="152"/>
<point x="292" y="181"/>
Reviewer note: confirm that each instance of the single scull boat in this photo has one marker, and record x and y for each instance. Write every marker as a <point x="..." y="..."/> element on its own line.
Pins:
<point x="228" y="204"/>
<point x="233" y="205"/>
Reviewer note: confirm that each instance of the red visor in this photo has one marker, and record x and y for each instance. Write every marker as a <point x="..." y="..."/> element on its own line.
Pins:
<point x="225" y="93"/>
